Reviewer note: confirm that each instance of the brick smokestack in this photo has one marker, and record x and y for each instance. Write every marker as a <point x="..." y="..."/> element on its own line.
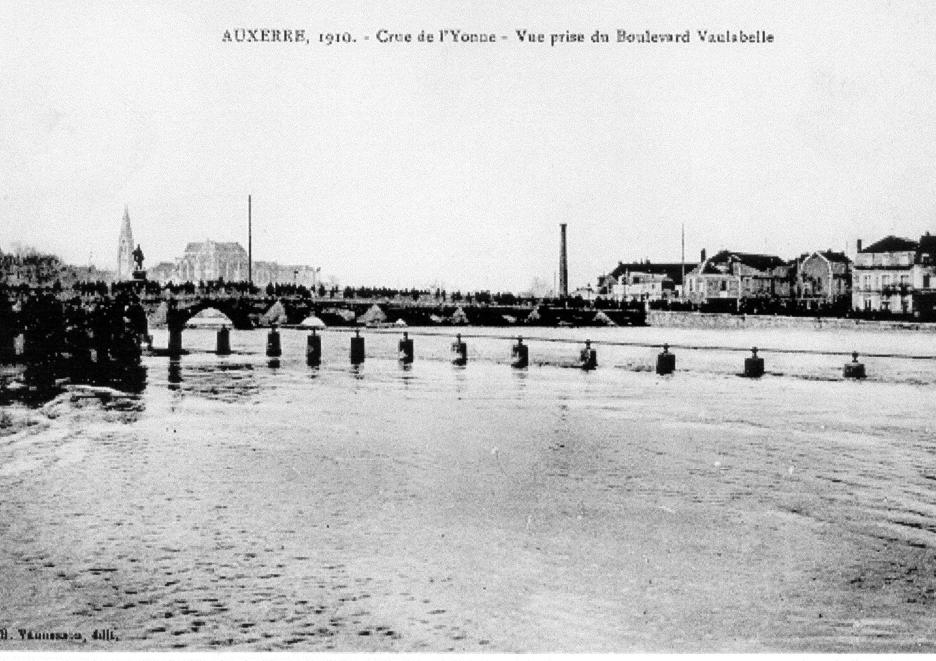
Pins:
<point x="563" y="263"/>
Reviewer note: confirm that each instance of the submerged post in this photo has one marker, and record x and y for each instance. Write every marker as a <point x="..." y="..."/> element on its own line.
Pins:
<point x="754" y="366"/>
<point x="589" y="357"/>
<point x="460" y="349"/>
<point x="666" y="362"/>
<point x="357" y="348"/>
<point x="314" y="349"/>
<point x="273" y="349"/>
<point x="223" y="343"/>
<point x="406" y="349"/>
<point x="854" y="369"/>
<point x="520" y="354"/>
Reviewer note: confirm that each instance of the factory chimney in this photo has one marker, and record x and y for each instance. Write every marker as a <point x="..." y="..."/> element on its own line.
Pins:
<point x="563" y="263"/>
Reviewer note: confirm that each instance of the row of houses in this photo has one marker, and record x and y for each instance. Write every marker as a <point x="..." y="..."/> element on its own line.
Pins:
<point x="893" y="275"/>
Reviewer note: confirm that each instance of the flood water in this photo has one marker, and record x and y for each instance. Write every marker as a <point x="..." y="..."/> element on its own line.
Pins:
<point x="239" y="503"/>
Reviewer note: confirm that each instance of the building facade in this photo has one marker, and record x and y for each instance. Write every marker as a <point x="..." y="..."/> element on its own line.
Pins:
<point x="162" y="272"/>
<point x="265" y="273"/>
<point x="216" y="260"/>
<point x="212" y="260"/>
<point x="644" y="281"/>
<point x="735" y="280"/>
<point x="823" y="280"/>
<point x="896" y="275"/>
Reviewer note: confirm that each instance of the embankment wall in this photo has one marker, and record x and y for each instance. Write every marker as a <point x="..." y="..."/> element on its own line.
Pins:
<point x="712" y="320"/>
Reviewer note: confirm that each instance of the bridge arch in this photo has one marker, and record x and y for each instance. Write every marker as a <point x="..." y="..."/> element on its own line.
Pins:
<point x="239" y="313"/>
<point x="208" y="318"/>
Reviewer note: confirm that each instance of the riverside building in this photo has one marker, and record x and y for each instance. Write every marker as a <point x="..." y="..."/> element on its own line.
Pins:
<point x="896" y="275"/>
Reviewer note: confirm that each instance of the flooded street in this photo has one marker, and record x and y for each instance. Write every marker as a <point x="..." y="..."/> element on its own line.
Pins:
<point x="244" y="504"/>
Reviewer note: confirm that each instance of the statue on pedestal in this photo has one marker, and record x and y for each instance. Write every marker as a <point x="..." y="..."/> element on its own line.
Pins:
<point x="138" y="272"/>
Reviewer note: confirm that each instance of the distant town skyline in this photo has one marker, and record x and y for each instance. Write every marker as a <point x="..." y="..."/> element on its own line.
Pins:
<point x="411" y="164"/>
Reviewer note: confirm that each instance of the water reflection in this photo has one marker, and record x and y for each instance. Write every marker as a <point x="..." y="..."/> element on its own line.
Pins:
<point x="224" y="381"/>
<point x="175" y="374"/>
<point x="407" y="377"/>
<point x="461" y="382"/>
<point x="69" y="342"/>
<point x="42" y="378"/>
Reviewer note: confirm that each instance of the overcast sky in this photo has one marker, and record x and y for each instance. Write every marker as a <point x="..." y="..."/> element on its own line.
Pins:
<point x="454" y="164"/>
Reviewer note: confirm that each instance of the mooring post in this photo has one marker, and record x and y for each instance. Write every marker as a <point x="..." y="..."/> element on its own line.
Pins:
<point x="666" y="361"/>
<point x="357" y="348"/>
<point x="314" y="349"/>
<point x="175" y="342"/>
<point x="223" y="343"/>
<point x="854" y="369"/>
<point x="273" y="349"/>
<point x="461" y="351"/>
<point x="520" y="354"/>
<point x="406" y="349"/>
<point x="753" y="366"/>
<point x="589" y="357"/>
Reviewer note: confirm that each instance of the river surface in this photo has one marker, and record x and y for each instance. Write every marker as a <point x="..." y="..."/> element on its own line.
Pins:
<point x="239" y="503"/>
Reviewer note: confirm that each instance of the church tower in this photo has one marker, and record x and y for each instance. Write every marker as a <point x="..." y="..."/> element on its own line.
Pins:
<point x="125" y="249"/>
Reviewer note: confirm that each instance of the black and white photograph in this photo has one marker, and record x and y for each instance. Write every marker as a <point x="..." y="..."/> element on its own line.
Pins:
<point x="468" y="327"/>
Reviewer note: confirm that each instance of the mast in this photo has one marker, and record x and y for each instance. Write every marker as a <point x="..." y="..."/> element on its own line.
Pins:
<point x="249" y="243"/>
<point x="682" y="263"/>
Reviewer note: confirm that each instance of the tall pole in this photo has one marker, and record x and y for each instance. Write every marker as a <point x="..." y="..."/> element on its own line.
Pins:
<point x="563" y="263"/>
<point x="249" y="243"/>
<point x="683" y="260"/>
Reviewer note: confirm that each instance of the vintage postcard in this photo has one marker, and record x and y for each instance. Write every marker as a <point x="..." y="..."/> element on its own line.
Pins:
<point x="467" y="327"/>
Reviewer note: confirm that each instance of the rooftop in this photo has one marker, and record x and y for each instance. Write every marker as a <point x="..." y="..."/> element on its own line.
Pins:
<point x="219" y="246"/>
<point x="673" y="270"/>
<point x="891" y="243"/>
<point x="753" y="260"/>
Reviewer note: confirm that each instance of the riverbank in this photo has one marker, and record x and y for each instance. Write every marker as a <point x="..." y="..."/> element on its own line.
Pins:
<point x="711" y="320"/>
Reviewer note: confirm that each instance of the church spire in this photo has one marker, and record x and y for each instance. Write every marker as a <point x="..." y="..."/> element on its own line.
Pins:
<point x="125" y="249"/>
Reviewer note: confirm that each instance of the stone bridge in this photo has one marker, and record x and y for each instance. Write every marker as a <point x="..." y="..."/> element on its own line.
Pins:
<point x="245" y="312"/>
<point x="251" y="311"/>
